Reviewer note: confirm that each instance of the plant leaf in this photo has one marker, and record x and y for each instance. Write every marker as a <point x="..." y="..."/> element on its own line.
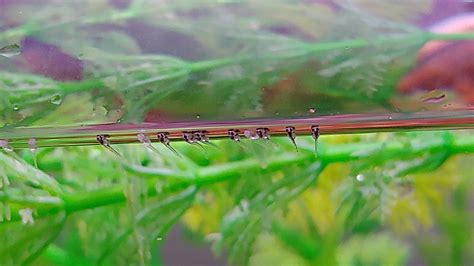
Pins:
<point x="22" y="243"/>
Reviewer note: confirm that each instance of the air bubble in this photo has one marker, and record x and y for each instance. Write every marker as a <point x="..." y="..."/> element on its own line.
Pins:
<point x="312" y="110"/>
<point x="198" y="116"/>
<point x="16" y="108"/>
<point x="360" y="177"/>
<point x="10" y="50"/>
<point x="56" y="99"/>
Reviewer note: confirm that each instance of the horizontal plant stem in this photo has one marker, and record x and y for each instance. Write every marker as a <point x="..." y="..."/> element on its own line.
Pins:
<point x="327" y="46"/>
<point x="354" y="151"/>
<point x="31" y="201"/>
<point x="203" y="176"/>
<point x="327" y="154"/>
<point x="302" y="50"/>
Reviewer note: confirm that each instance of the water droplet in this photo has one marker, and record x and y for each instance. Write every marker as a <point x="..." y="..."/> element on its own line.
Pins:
<point x="312" y="110"/>
<point x="10" y="50"/>
<point x="56" y="99"/>
<point x="360" y="177"/>
<point x="16" y="108"/>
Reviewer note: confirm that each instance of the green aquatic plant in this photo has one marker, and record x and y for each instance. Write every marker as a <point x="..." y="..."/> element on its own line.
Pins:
<point x="87" y="203"/>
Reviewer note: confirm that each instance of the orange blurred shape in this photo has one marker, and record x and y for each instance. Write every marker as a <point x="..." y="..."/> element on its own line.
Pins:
<point x="445" y="65"/>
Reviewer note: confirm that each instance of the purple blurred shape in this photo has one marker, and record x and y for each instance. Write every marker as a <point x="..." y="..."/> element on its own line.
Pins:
<point x="48" y="60"/>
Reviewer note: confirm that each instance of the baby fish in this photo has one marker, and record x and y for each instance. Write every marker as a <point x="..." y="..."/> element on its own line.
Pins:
<point x="103" y="140"/>
<point x="164" y="139"/>
<point x="263" y="133"/>
<point x="146" y="142"/>
<point x="234" y="134"/>
<point x="291" y="132"/>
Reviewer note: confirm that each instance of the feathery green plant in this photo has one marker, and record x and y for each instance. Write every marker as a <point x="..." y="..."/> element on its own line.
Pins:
<point x="115" y="216"/>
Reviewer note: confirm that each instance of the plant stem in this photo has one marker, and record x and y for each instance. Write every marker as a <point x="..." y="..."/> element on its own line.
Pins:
<point x="327" y="46"/>
<point x="32" y="201"/>
<point x="304" y="49"/>
<point x="203" y="176"/>
<point x="215" y="174"/>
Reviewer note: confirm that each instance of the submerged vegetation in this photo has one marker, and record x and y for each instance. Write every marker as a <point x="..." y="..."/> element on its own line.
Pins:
<point x="406" y="191"/>
<point x="154" y="62"/>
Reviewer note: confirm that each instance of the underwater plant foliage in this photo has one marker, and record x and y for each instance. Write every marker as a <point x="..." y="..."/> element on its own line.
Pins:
<point x="391" y="195"/>
<point x="356" y="199"/>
